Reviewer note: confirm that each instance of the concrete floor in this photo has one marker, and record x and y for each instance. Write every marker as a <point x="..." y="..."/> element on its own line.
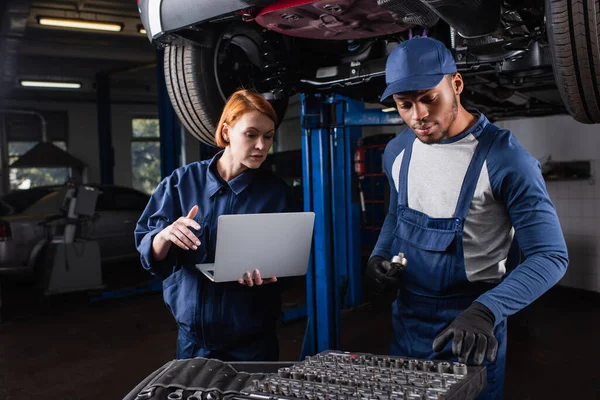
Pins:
<point x="66" y="347"/>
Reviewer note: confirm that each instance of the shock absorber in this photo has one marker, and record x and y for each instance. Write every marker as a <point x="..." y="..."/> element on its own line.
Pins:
<point x="276" y="80"/>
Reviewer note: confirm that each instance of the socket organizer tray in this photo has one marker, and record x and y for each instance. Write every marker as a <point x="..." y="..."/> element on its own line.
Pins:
<point x="335" y="375"/>
<point x="331" y="375"/>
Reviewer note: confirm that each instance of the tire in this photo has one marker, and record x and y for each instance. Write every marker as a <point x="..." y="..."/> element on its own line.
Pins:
<point x="573" y="32"/>
<point x="196" y="83"/>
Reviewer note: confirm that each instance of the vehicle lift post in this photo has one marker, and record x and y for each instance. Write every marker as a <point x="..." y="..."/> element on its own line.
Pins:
<point x="331" y="126"/>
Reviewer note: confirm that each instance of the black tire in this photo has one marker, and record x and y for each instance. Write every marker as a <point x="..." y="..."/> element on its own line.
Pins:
<point x="573" y="32"/>
<point x="197" y="92"/>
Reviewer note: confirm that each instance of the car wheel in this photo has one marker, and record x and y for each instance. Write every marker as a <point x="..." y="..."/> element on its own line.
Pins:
<point x="573" y="31"/>
<point x="199" y="79"/>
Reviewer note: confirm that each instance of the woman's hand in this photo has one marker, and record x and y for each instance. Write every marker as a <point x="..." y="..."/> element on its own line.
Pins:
<point x="177" y="233"/>
<point x="251" y="279"/>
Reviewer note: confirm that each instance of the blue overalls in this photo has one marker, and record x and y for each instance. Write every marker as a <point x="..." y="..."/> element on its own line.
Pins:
<point x="227" y="321"/>
<point x="435" y="286"/>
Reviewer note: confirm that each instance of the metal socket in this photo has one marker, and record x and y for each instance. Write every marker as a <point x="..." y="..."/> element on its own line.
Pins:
<point x="459" y="368"/>
<point x="283" y="372"/>
<point x="427" y="365"/>
<point x="299" y="375"/>
<point x="413" y="364"/>
<point x="444" y="367"/>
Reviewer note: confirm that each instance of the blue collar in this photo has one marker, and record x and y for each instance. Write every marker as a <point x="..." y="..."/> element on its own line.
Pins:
<point x="214" y="181"/>
<point x="475" y="129"/>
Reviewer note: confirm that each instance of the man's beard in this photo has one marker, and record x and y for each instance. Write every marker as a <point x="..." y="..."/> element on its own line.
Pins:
<point x="453" y="114"/>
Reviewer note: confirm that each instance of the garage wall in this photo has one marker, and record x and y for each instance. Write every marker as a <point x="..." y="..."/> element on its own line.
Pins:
<point x="577" y="202"/>
<point x="192" y="148"/>
<point x="83" y="134"/>
<point x="289" y="136"/>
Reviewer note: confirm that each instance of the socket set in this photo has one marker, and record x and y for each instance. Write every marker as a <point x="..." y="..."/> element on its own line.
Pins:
<point x="335" y="375"/>
<point x="331" y="375"/>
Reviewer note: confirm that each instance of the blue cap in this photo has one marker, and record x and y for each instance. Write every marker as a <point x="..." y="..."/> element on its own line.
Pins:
<point x="417" y="64"/>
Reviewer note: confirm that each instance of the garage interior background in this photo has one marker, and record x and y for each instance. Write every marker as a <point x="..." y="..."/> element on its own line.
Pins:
<point x="31" y="51"/>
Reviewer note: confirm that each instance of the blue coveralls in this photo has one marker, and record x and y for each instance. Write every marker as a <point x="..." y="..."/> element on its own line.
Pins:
<point x="435" y="287"/>
<point x="227" y="321"/>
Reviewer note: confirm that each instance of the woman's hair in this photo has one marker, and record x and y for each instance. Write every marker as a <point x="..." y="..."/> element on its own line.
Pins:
<point x="238" y="104"/>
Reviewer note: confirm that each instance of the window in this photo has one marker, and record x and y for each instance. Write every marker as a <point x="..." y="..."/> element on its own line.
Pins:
<point x="145" y="154"/>
<point x="25" y="178"/>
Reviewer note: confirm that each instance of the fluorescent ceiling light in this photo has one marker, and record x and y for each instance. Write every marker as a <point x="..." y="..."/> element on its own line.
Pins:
<point x="390" y="109"/>
<point x="81" y="24"/>
<point x="51" y="84"/>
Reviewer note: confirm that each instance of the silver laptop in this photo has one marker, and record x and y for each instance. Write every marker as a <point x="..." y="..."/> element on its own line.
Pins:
<point x="276" y="244"/>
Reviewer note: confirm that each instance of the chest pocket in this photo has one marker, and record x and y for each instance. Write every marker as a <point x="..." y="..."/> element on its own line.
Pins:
<point x="422" y="232"/>
<point x="432" y="247"/>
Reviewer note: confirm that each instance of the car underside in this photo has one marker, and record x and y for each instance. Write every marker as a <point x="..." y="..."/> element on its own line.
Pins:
<point x="511" y="54"/>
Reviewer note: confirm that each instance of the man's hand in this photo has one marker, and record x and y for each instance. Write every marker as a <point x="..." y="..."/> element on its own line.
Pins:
<point x="378" y="269"/>
<point x="255" y="279"/>
<point x="473" y="332"/>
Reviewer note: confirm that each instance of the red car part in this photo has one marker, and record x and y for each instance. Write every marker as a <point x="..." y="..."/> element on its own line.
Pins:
<point x="330" y="19"/>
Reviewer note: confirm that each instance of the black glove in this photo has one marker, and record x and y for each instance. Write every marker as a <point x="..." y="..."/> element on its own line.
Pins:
<point x="382" y="273"/>
<point x="473" y="331"/>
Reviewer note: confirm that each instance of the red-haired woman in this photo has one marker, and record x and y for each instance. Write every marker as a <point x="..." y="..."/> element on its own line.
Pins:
<point x="228" y="321"/>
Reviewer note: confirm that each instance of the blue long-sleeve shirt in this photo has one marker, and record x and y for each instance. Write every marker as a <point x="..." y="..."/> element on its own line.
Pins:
<point x="510" y="202"/>
<point x="214" y="315"/>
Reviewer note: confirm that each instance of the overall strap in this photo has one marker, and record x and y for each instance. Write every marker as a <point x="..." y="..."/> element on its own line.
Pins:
<point x="403" y="183"/>
<point x="467" y="191"/>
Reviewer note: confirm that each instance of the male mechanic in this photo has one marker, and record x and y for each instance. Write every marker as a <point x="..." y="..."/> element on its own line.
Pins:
<point x="461" y="191"/>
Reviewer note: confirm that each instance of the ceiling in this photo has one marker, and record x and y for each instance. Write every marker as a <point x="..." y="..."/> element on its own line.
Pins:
<point x="29" y="50"/>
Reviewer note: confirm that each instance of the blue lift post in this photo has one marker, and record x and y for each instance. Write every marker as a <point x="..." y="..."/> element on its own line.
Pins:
<point x="331" y="127"/>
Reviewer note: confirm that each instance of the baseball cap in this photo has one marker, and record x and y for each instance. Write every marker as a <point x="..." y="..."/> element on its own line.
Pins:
<point x="417" y="64"/>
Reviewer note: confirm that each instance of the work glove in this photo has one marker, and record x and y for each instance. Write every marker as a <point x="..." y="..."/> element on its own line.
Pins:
<point x="382" y="274"/>
<point x="473" y="335"/>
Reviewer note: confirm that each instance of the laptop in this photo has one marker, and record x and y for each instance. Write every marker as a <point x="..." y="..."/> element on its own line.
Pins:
<point x="276" y="244"/>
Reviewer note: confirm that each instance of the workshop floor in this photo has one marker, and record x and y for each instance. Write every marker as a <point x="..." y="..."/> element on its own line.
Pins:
<point x="66" y="347"/>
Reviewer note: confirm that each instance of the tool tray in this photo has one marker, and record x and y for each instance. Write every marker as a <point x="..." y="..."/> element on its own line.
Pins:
<point x="331" y="375"/>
